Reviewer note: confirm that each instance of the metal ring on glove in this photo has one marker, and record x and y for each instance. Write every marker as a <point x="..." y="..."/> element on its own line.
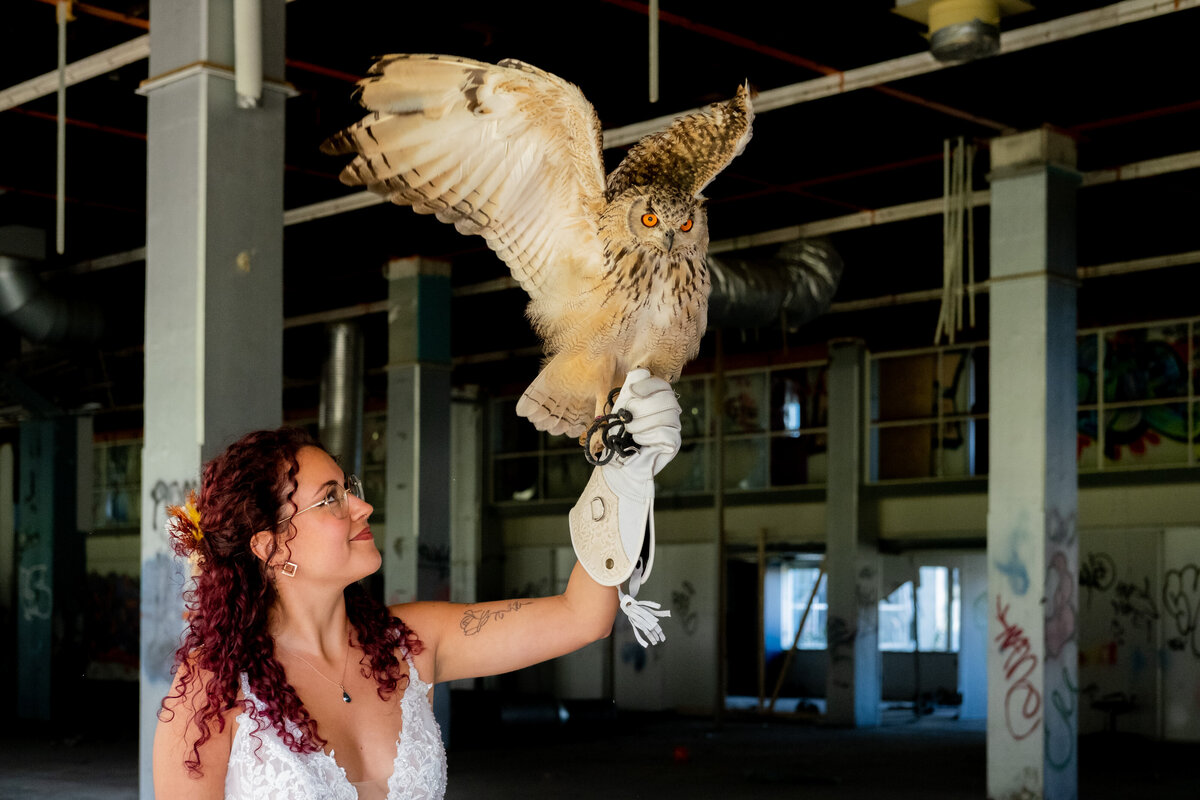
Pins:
<point x="613" y="435"/>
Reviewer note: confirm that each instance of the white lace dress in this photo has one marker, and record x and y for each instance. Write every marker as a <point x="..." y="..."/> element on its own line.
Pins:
<point x="261" y="767"/>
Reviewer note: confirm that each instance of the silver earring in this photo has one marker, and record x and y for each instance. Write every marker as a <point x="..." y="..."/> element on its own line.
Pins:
<point x="289" y="569"/>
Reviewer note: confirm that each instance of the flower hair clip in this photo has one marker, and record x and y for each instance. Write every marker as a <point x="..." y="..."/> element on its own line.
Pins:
<point x="189" y="515"/>
<point x="193" y="515"/>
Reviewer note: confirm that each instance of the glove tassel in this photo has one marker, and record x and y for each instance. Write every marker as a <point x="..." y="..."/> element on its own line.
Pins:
<point x="644" y="615"/>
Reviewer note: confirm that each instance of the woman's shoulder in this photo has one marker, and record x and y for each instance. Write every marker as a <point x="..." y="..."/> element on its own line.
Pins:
<point x="177" y="739"/>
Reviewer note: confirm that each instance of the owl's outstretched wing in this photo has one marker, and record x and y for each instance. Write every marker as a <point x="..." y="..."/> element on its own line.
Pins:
<point x="506" y="151"/>
<point x="691" y="152"/>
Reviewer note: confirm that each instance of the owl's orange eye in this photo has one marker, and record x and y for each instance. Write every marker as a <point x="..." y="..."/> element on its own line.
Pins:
<point x="649" y="220"/>
<point x="685" y="227"/>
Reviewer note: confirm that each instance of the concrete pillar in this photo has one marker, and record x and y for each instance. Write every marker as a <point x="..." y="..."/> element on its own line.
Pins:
<point x="340" y="414"/>
<point x="973" y="636"/>
<point x="214" y="288"/>
<point x="1033" y="557"/>
<point x="466" y="499"/>
<point x="51" y="563"/>
<point x="852" y="562"/>
<point x="416" y="552"/>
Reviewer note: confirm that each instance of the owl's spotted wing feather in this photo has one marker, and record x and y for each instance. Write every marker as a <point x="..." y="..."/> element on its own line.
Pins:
<point x="505" y="151"/>
<point x="691" y="152"/>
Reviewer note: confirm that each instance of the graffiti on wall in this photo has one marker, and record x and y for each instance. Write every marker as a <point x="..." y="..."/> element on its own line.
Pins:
<point x="36" y="599"/>
<point x="1060" y="725"/>
<point x="1022" y="700"/>
<point x="1181" y="603"/>
<point x="1133" y="606"/>
<point x="683" y="608"/>
<point x="1060" y="617"/>
<point x="163" y="580"/>
<point x="1097" y="571"/>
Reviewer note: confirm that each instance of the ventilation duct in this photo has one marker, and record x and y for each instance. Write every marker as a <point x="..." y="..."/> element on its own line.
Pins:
<point x="340" y="421"/>
<point x="961" y="30"/>
<point x="40" y="315"/>
<point x="796" y="283"/>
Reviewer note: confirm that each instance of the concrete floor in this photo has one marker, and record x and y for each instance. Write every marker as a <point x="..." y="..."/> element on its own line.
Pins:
<point x="660" y="757"/>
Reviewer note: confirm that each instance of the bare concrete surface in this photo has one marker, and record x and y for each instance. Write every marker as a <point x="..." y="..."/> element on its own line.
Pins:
<point x="667" y="756"/>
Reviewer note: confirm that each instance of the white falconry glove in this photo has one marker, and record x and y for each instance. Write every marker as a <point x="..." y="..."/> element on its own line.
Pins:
<point x="612" y="525"/>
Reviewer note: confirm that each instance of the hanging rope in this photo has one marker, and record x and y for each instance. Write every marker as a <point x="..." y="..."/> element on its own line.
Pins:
<point x="653" y="16"/>
<point x="63" y="14"/>
<point x="958" y="224"/>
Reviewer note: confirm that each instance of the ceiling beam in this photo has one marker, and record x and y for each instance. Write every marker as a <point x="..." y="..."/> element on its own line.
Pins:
<point x="77" y="72"/>
<point x="927" y="208"/>
<point x="1054" y="30"/>
<point x="863" y="219"/>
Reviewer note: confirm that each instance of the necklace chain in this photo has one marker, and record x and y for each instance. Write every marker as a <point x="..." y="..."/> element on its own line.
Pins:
<point x="342" y="684"/>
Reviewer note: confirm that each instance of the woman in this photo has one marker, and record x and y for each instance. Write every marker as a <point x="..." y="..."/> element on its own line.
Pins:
<point x="291" y="682"/>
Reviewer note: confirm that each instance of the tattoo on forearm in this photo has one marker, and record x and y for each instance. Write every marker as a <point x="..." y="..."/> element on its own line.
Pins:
<point x="473" y="620"/>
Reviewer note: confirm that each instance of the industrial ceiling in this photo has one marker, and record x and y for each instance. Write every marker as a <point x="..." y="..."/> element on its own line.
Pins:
<point x="848" y="144"/>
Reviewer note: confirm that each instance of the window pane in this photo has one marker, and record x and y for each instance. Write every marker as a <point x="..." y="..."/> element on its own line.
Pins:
<point x="1145" y="435"/>
<point x="797" y="586"/>
<point x="933" y="610"/>
<point x="1196" y="433"/>
<point x="799" y="399"/>
<point x="964" y="448"/>
<point x="955" y="611"/>
<point x="117" y="476"/>
<point x="746" y="464"/>
<point x="1087" y="434"/>
<point x="956" y="383"/>
<point x="906" y="452"/>
<point x="745" y="403"/>
<point x="895" y="620"/>
<point x="1145" y="363"/>
<point x="799" y="461"/>
<point x="687" y="472"/>
<point x="902" y="387"/>
<point x="694" y="404"/>
<point x="1087" y="359"/>
<point x="515" y="479"/>
<point x="566" y="475"/>
<point x="510" y="433"/>
<point x="1196" y="358"/>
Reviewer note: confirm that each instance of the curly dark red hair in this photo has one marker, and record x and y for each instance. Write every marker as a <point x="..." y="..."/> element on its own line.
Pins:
<point x="241" y="492"/>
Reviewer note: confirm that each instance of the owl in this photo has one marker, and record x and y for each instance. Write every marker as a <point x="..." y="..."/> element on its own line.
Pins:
<point x="614" y="266"/>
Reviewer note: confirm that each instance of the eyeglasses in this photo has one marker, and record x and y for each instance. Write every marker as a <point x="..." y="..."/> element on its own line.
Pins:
<point x="337" y="499"/>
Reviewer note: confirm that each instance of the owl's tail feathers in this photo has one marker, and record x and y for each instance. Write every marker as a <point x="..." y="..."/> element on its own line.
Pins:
<point x="553" y="406"/>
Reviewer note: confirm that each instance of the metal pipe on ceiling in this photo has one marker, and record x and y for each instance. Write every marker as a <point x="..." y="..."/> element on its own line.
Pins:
<point x="793" y="285"/>
<point x="40" y="315"/>
<point x="247" y="52"/>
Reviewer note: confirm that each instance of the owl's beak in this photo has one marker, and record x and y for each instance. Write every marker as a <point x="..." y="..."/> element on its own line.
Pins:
<point x="668" y="240"/>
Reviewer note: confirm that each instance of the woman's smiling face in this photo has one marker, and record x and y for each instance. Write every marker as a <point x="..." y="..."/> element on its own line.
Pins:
<point x="332" y="541"/>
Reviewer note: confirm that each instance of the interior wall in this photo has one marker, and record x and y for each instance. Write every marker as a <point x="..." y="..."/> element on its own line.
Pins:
<point x="1139" y="643"/>
<point x="680" y="673"/>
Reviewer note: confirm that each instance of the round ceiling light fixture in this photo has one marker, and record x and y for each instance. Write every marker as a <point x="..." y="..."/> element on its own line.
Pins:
<point x="961" y="30"/>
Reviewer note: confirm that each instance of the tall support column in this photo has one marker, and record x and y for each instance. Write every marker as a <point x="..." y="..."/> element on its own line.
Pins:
<point x="1033" y="556"/>
<point x="854" y="685"/>
<point x="974" y="641"/>
<point x="416" y="552"/>
<point x="214" y="288"/>
<point x="416" y="560"/>
<point x="51" y="562"/>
